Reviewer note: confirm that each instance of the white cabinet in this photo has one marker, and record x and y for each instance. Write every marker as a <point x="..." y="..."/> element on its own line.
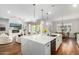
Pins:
<point x="48" y="49"/>
<point x="78" y="39"/>
<point x="33" y="48"/>
<point x="58" y="41"/>
<point x="40" y="44"/>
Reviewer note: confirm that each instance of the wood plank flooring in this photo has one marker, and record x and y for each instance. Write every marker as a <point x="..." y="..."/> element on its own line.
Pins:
<point x="10" y="49"/>
<point x="68" y="47"/>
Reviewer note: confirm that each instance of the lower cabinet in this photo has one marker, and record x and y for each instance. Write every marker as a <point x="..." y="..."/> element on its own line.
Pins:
<point x="48" y="49"/>
<point x="58" y="42"/>
<point x="53" y="47"/>
<point x="29" y="47"/>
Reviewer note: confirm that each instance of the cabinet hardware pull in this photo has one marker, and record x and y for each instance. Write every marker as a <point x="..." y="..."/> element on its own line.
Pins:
<point x="47" y="45"/>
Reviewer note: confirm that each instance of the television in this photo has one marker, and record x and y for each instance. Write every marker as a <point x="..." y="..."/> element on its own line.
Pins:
<point x="2" y="28"/>
<point x="15" y="31"/>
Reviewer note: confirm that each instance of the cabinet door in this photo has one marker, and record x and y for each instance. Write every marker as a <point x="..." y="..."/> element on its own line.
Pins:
<point x="48" y="49"/>
<point x="57" y="44"/>
<point x="33" y="48"/>
<point x="78" y="39"/>
<point x="58" y="41"/>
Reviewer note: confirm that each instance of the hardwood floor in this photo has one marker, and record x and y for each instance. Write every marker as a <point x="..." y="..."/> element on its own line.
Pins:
<point x="10" y="49"/>
<point x="68" y="47"/>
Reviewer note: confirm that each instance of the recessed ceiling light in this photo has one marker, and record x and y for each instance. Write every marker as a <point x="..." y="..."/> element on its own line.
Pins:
<point x="8" y="12"/>
<point x="74" y="5"/>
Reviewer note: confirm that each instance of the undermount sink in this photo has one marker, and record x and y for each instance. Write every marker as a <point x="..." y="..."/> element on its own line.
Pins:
<point x="53" y="35"/>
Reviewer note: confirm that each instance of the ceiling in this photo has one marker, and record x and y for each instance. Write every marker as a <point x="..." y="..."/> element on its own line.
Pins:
<point x="26" y="11"/>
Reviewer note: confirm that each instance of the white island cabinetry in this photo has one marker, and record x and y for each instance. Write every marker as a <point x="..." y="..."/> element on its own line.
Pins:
<point x="37" y="44"/>
<point x="35" y="48"/>
<point x="58" y="41"/>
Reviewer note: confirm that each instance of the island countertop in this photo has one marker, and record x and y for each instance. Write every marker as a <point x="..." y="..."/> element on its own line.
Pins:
<point x="42" y="39"/>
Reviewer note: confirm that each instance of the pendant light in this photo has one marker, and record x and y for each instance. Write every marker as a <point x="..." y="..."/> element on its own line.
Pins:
<point x="62" y="25"/>
<point x="47" y="15"/>
<point x="62" y="28"/>
<point x="47" y="19"/>
<point x="34" y="5"/>
<point x="42" y="13"/>
<point x="41" y="23"/>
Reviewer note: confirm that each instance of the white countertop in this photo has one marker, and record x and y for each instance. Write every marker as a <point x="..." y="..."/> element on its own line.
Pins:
<point x="43" y="39"/>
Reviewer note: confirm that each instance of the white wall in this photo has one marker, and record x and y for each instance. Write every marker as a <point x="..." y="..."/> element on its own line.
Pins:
<point x="5" y="22"/>
<point x="15" y="20"/>
<point x="74" y="22"/>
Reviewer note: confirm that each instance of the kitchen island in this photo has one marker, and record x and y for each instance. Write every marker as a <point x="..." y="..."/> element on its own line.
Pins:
<point x="40" y="44"/>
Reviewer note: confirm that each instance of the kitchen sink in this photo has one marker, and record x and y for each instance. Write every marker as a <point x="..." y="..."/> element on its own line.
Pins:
<point x="53" y="35"/>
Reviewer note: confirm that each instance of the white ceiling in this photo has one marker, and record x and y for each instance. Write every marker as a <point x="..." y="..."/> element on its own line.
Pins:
<point x="26" y="11"/>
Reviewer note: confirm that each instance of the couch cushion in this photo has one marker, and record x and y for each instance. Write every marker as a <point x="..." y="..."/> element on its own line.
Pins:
<point x="4" y="35"/>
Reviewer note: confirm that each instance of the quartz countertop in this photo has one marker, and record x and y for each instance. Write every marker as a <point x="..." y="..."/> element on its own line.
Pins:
<point x="42" y="39"/>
